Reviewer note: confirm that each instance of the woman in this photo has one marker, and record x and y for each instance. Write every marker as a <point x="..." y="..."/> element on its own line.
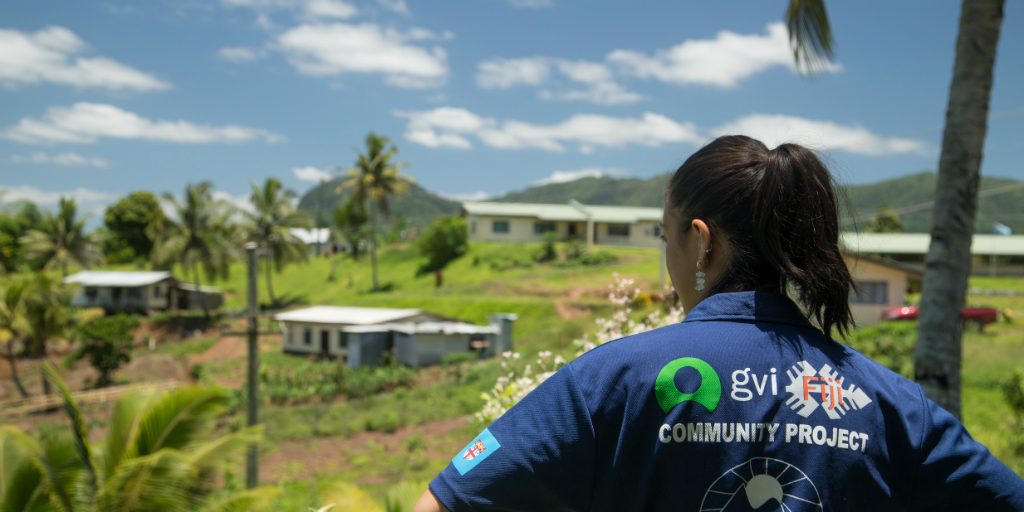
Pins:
<point x="745" y="405"/>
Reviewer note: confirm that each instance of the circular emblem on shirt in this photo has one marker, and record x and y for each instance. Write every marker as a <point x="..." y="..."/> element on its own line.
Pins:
<point x="762" y="483"/>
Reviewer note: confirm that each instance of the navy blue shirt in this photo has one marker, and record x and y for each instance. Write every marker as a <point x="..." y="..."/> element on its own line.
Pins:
<point x="743" y="406"/>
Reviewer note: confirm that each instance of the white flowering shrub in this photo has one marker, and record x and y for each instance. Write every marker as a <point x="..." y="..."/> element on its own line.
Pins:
<point x="523" y="378"/>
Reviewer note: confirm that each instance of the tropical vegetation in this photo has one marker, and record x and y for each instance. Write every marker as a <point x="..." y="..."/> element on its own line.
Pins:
<point x="269" y="226"/>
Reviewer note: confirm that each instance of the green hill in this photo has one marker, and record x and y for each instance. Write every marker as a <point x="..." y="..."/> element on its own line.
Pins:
<point x="422" y="206"/>
<point x="419" y="206"/>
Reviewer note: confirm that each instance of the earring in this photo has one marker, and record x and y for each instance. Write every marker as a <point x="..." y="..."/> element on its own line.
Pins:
<point x="700" y="266"/>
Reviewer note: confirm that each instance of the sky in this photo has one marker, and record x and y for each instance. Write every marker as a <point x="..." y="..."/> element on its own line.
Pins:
<point x="481" y="97"/>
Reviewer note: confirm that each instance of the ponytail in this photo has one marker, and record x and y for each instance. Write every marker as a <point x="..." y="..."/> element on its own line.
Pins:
<point x="778" y="212"/>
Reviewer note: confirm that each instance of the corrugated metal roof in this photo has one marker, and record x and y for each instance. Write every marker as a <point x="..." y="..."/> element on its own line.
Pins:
<point x="565" y="212"/>
<point x="126" y="278"/>
<point x="426" y="328"/>
<point x="311" y="236"/>
<point x="917" y="243"/>
<point x="346" y="315"/>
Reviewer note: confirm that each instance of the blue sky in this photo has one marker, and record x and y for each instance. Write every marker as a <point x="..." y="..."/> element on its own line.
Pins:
<point x="98" y="99"/>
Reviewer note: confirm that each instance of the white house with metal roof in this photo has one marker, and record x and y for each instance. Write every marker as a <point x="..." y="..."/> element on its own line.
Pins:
<point x="524" y="222"/>
<point x="139" y="291"/>
<point x="990" y="254"/>
<point x="361" y="336"/>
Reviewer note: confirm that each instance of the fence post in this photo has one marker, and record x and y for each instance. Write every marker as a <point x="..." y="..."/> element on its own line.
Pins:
<point x="251" y="468"/>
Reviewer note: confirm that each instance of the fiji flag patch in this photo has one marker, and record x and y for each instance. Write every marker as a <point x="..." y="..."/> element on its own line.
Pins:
<point x="475" y="452"/>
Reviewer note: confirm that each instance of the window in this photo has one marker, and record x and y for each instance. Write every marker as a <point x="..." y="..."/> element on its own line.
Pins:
<point x="156" y="291"/>
<point x="91" y="292"/>
<point x="342" y="339"/>
<point x="134" y="293"/>
<point x="307" y="336"/>
<point x="871" y="292"/>
<point x="499" y="226"/>
<point x="539" y="228"/>
<point x="657" y="231"/>
<point x="618" y="229"/>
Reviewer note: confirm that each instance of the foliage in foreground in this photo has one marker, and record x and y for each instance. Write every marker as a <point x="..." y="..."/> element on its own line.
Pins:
<point x="158" y="454"/>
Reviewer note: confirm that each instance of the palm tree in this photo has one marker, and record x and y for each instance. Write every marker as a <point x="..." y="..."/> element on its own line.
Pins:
<point x="13" y="324"/>
<point x="199" y="237"/>
<point x="937" y="355"/>
<point x="374" y="179"/>
<point x="269" y="225"/>
<point x="62" y="239"/>
<point x="48" y="316"/>
<point x="156" y="456"/>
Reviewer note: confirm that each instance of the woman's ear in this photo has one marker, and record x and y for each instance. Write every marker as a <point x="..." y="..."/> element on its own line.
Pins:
<point x="702" y="230"/>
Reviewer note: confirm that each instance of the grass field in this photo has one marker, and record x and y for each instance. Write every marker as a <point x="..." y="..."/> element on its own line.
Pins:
<point x="408" y="433"/>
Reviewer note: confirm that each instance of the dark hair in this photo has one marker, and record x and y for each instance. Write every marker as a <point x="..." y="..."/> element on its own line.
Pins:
<point x="777" y="210"/>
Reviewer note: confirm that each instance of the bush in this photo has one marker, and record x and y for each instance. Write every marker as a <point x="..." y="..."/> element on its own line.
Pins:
<point x="107" y="342"/>
<point x="1013" y="393"/>
<point x="388" y="422"/>
<point x="889" y="343"/>
<point x="547" y="251"/>
<point x="324" y="380"/>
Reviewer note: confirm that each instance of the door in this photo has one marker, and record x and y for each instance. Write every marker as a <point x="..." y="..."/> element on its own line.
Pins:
<point x="325" y="339"/>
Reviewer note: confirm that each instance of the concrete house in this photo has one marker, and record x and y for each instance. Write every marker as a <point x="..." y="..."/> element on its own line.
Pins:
<point x="361" y="336"/>
<point x="883" y="285"/>
<point x="603" y="225"/>
<point x="991" y="255"/>
<point x="139" y="291"/>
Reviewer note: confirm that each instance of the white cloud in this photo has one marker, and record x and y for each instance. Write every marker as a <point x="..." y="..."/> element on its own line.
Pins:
<point x="395" y="5"/>
<point x="60" y="159"/>
<point x="309" y="9"/>
<point x="311" y="174"/>
<point x="240" y="202"/>
<point x="88" y="200"/>
<point x="450" y="127"/>
<point x="602" y="88"/>
<point x="48" y="56"/>
<point x="821" y="135"/>
<point x="589" y="172"/>
<point x="241" y="54"/>
<point x="505" y="73"/>
<point x="722" y="61"/>
<point x="87" y="122"/>
<point x="334" y="49"/>
<point x="479" y="195"/>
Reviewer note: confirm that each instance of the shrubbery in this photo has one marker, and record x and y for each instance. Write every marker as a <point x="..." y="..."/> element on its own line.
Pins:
<point x="324" y="380"/>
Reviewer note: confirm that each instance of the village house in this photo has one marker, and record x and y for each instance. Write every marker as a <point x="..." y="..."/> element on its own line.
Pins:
<point x="139" y="291"/>
<point x="882" y="285"/>
<point x="604" y="225"/>
<point x="361" y="336"/>
<point x="992" y="255"/>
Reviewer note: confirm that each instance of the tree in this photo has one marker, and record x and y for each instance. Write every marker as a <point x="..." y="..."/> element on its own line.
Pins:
<point x="373" y="180"/>
<point x="198" y="238"/>
<point x="351" y="224"/>
<point x="107" y="342"/>
<point x="157" y="455"/>
<point x="444" y="242"/>
<point x="16" y="219"/>
<point x="48" y="316"/>
<point x="944" y="289"/>
<point x="269" y="225"/>
<point x="885" y="220"/>
<point x="128" y="220"/>
<point x="61" y="239"/>
<point x="937" y="355"/>
<point x="13" y="324"/>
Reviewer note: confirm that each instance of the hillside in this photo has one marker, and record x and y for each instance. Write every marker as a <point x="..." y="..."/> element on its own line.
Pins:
<point x="419" y="206"/>
<point x="422" y="206"/>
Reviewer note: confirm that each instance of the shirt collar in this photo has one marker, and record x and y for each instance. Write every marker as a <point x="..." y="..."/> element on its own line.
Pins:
<point x="750" y="307"/>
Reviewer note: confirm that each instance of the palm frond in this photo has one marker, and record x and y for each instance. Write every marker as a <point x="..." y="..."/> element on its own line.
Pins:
<point x="10" y="458"/>
<point x="212" y="453"/>
<point x="78" y="426"/>
<point x="246" y="501"/>
<point x="48" y="472"/>
<point x="178" y="418"/>
<point x="810" y="35"/>
<point x="122" y="430"/>
<point x="155" y="482"/>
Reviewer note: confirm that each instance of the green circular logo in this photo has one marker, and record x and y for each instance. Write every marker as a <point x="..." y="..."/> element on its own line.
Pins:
<point x="668" y="395"/>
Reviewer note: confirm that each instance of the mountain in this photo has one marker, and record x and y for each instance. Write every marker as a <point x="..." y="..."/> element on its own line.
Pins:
<point x="420" y="207"/>
<point x="997" y="205"/>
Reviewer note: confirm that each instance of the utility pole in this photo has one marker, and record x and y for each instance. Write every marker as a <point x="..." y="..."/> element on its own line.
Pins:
<point x="254" y="365"/>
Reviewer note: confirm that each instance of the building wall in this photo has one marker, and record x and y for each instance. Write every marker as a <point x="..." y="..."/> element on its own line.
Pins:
<point x="294" y="338"/>
<point x="521" y="229"/>
<point x="424" y="349"/>
<point x="864" y="271"/>
<point x="136" y="297"/>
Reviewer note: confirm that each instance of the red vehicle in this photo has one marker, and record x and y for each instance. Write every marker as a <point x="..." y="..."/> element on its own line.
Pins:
<point x="974" y="318"/>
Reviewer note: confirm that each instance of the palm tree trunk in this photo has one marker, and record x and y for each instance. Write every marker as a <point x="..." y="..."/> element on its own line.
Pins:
<point x="198" y="293"/>
<point x="943" y="293"/>
<point x="14" y="368"/>
<point x="270" y="285"/>
<point x="373" y="246"/>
